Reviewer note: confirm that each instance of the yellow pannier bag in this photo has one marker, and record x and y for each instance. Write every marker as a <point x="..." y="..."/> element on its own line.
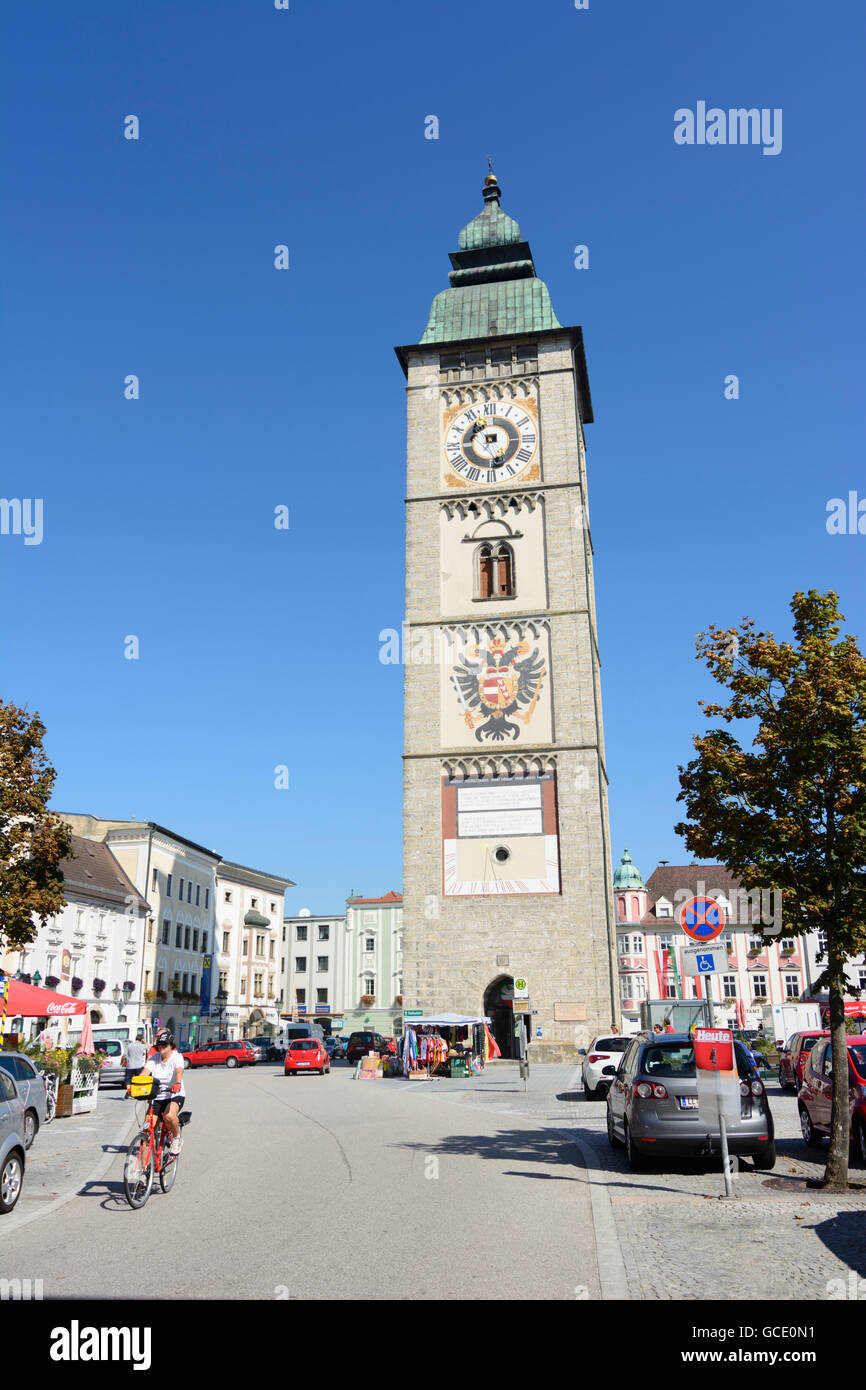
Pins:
<point x="143" y="1086"/>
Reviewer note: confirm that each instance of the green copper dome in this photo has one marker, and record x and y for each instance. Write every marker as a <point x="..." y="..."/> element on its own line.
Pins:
<point x="628" y="875"/>
<point x="494" y="289"/>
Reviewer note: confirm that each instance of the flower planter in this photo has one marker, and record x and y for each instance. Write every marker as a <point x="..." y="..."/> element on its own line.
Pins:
<point x="65" y="1096"/>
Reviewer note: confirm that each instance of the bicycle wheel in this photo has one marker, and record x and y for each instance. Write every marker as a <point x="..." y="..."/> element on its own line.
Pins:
<point x="50" y="1104"/>
<point x="138" y="1171"/>
<point x="168" y="1165"/>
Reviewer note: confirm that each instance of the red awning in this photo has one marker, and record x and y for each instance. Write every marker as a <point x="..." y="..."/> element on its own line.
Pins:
<point x="28" y="1001"/>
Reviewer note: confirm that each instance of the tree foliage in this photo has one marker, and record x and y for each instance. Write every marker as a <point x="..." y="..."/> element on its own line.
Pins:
<point x="33" y="840"/>
<point x="789" y="812"/>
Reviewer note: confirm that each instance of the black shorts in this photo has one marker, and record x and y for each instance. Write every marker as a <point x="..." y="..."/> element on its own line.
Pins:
<point x="159" y="1106"/>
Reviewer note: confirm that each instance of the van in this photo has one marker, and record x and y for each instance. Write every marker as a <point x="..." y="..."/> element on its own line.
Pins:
<point x="290" y="1031"/>
<point x="123" y="1031"/>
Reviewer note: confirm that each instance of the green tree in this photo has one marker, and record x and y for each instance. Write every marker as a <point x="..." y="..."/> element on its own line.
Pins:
<point x="32" y="839"/>
<point x="789" y="813"/>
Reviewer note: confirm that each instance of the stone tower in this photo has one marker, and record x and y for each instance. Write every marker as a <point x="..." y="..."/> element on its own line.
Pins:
<point x="507" y="870"/>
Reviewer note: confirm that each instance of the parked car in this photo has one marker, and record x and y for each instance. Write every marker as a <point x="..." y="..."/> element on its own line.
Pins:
<point x="652" y="1105"/>
<point x="12" y="1142"/>
<point x="31" y="1089"/>
<point x="815" y="1099"/>
<point x="794" y="1056"/>
<point x="360" y="1044"/>
<point x="114" y="1074"/>
<point x="603" y="1056"/>
<point x="265" y="1046"/>
<point x="306" y="1054"/>
<point x="224" y="1053"/>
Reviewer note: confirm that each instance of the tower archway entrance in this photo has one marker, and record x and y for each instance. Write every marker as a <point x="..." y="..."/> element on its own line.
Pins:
<point x="499" y="1008"/>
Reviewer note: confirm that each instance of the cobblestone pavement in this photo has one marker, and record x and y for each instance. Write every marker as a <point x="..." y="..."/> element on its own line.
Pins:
<point x="678" y="1237"/>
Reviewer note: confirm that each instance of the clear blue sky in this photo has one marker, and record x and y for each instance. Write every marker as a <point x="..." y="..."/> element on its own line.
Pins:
<point x="261" y="388"/>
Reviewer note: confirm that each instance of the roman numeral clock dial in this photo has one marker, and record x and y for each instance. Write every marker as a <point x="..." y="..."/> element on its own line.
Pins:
<point x="495" y="442"/>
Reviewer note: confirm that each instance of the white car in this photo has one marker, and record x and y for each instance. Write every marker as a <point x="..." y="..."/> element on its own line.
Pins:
<point x="604" y="1051"/>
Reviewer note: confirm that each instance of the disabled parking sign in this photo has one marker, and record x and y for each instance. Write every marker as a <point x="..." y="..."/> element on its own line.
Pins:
<point x="702" y="919"/>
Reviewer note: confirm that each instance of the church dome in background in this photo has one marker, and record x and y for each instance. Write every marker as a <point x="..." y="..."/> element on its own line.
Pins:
<point x="628" y="875"/>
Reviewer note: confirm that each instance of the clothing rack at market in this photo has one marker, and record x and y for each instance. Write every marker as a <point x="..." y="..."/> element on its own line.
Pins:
<point x="463" y="1052"/>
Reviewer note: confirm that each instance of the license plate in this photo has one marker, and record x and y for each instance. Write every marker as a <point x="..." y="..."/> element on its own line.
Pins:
<point x="303" y="1064"/>
<point x="688" y="1102"/>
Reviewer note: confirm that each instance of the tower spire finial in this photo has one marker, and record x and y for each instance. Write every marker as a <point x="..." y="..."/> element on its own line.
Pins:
<point x="491" y="190"/>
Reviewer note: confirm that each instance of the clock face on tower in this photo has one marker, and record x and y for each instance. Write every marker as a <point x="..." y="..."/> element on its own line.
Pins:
<point x="491" y="442"/>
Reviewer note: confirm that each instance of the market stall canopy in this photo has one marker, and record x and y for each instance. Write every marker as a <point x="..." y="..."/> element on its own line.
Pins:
<point x="445" y="1021"/>
<point x="28" y="1001"/>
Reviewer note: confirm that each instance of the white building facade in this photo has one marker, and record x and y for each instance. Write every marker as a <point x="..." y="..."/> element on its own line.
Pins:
<point x="248" y="987"/>
<point x="312" y="961"/>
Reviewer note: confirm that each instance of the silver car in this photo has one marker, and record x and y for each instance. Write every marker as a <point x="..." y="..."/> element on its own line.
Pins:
<point x="652" y="1105"/>
<point x="31" y="1089"/>
<point x="113" y="1072"/>
<point x="11" y="1142"/>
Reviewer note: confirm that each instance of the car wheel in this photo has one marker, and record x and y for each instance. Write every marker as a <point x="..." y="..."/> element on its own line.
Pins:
<point x="636" y="1160"/>
<point x="590" y="1093"/>
<point x="860" y="1142"/>
<point x="783" y="1083"/>
<point x="612" y="1138"/>
<point x="813" y="1139"/>
<point x="11" y="1181"/>
<point x="31" y="1124"/>
<point x="766" y="1158"/>
<point x="231" y="1061"/>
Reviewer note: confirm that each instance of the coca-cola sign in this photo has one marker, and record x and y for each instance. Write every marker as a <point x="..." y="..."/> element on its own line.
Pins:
<point x="69" y="1008"/>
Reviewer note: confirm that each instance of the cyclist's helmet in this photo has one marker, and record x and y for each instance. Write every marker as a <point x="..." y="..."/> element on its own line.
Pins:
<point x="164" y="1037"/>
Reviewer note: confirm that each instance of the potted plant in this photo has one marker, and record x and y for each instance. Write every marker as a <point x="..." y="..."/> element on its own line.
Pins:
<point x="149" y="996"/>
<point x="25" y="978"/>
<point x="367" y="1000"/>
<point x="161" y="996"/>
<point x="129" y="987"/>
<point x="98" y="987"/>
<point x="51" y="981"/>
<point x="398" y="1000"/>
<point x="76" y="984"/>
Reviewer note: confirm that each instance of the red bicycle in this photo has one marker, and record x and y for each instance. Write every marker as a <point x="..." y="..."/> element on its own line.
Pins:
<point x="150" y="1153"/>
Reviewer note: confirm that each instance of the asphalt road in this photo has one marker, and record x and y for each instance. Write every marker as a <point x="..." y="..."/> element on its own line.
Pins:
<point x="326" y="1187"/>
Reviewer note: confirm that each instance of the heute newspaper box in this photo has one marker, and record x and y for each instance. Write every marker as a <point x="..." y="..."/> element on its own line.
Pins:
<point x="718" y="1086"/>
<point x="714" y="1049"/>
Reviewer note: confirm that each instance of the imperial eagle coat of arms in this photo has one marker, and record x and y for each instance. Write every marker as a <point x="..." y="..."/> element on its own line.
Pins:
<point x="500" y="681"/>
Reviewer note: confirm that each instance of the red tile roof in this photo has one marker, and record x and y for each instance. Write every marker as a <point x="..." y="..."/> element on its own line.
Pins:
<point x="669" y="880"/>
<point x="389" y="898"/>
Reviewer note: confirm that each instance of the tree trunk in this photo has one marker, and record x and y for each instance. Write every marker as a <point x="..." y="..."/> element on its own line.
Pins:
<point x="836" y="1172"/>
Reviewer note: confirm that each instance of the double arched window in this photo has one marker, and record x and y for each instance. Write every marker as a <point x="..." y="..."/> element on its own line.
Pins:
<point x="494" y="570"/>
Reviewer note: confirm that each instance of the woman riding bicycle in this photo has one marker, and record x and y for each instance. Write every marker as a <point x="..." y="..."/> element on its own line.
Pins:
<point x="166" y="1068"/>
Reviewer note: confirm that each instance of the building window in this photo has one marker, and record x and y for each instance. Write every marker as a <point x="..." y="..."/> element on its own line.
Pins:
<point x="192" y="984"/>
<point x="166" y="931"/>
<point x="792" y="986"/>
<point x="257" y="984"/>
<point x="195" y="939"/>
<point x="206" y="899"/>
<point x="186" y="938"/>
<point x="323" y="964"/>
<point x="243" y="985"/>
<point x="301" y="996"/>
<point x="178" y="936"/>
<point x="180" y="890"/>
<point x="284" y="933"/>
<point x="369" y="984"/>
<point x="154" y="882"/>
<point x="862" y="973"/>
<point x="322" y="996"/>
<point x="228" y="897"/>
<point x="664" y="908"/>
<point x="168" y="886"/>
<point x="632" y="987"/>
<point x="756" y="942"/>
<point x="300" y="965"/>
<point x="189" y="891"/>
<point x="254" y="902"/>
<point x="759" y="986"/>
<point x="273" y="907"/>
<point x="324" y="933"/>
<point x="787" y="943"/>
<point x="271" y="950"/>
<point x="526" y="351"/>
<point x="224" y="982"/>
<point x="197" y="894"/>
<point x="203" y="942"/>
<point x="821" y="939"/>
<point x="226" y="941"/>
<point x="494" y="570"/>
<point x="184" y="989"/>
<point x="301" y="933"/>
<point x="500" y="356"/>
<point x="665" y="942"/>
<point x="370" y="943"/>
<point x="670" y="988"/>
<point x="729" y="986"/>
<point x="159" y="978"/>
<point x="630" y="946"/>
<point x="260" y="945"/>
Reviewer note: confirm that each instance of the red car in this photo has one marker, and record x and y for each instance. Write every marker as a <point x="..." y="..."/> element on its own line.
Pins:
<point x="306" y="1054"/>
<point x="815" y="1100"/>
<point x="793" y="1058"/>
<point x="225" y="1053"/>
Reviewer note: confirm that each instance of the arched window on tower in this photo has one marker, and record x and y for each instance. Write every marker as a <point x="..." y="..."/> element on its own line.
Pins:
<point x="494" y="575"/>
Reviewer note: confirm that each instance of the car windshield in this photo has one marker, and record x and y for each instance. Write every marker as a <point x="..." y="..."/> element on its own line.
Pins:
<point x="305" y="1045"/>
<point x="857" y="1053"/>
<point x="109" y="1046"/>
<point x="806" y="1044"/>
<point x="669" y="1059"/>
<point x="611" y="1044"/>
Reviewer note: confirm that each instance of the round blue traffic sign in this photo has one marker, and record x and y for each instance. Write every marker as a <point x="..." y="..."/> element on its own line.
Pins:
<point x="702" y="919"/>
